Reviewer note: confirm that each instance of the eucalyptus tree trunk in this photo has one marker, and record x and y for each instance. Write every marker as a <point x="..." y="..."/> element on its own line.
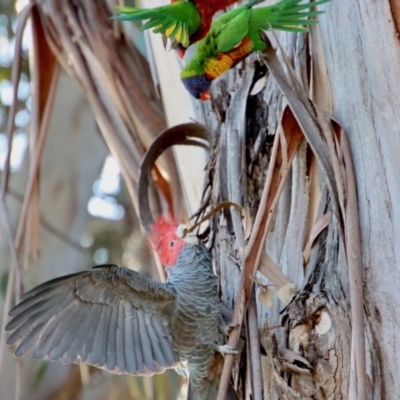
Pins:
<point x="350" y="63"/>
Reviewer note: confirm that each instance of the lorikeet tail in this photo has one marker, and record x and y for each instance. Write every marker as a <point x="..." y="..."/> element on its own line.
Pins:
<point x="286" y="15"/>
<point x="175" y="20"/>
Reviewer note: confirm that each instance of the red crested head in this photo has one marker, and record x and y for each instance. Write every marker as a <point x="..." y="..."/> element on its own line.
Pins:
<point x="165" y="240"/>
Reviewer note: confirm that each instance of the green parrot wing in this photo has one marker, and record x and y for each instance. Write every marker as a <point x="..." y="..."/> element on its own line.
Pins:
<point x="178" y="20"/>
<point x="110" y="317"/>
<point x="234" y="30"/>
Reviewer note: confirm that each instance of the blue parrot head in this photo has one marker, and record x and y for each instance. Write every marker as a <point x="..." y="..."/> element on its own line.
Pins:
<point x="198" y="86"/>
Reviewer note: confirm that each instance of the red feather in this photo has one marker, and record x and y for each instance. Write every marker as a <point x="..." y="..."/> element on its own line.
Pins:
<point x="207" y="9"/>
<point x="165" y="241"/>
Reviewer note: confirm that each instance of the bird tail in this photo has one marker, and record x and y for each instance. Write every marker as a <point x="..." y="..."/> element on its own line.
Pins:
<point x="211" y="392"/>
<point x="158" y="18"/>
<point x="287" y="15"/>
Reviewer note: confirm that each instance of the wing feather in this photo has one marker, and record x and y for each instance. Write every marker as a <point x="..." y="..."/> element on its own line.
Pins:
<point x="120" y="340"/>
<point x="164" y="339"/>
<point x="61" y="335"/>
<point x="111" y="359"/>
<point x="146" y="344"/>
<point x="29" y="340"/>
<point x="72" y="353"/>
<point x="97" y="354"/>
<point x="93" y="323"/>
<point x="137" y="344"/>
<point x="130" y="354"/>
<point x="38" y="316"/>
<point x="233" y="32"/>
<point x="110" y="317"/>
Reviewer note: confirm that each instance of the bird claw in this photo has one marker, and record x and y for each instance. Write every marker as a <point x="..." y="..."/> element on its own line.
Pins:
<point x="228" y="328"/>
<point x="226" y="349"/>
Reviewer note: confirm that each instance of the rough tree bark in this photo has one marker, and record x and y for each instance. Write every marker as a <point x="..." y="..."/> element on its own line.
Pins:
<point x="351" y="62"/>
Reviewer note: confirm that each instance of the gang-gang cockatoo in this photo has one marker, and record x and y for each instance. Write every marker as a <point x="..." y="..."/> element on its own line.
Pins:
<point x="120" y="320"/>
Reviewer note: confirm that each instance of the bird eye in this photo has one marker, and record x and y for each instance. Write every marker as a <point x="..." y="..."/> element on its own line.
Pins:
<point x="172" y="244"/>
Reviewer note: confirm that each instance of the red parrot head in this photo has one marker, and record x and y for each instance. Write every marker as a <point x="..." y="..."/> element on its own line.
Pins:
<point x="168" y="239"/>
<point x="198" y="86"/>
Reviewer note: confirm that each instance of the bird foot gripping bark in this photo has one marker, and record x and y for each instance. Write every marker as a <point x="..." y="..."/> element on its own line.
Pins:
<point x="226" y="349"/>
<point x="230" y="327"/>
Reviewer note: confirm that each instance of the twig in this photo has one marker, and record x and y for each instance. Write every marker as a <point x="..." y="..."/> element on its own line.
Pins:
<point x="353" y="251"/>
<point x="18" y="372"/>
<point x="234" y="171"/>
<point x="16" y="72"/>
<point x="14" y="271"/>
<point x="305" y="115"/>
<point x="254" y="347"/>
<point x="234" y="336"/>
<point x="275" y="182"/>
<point x="36" y="161"/>
<point x="15" y="268"/>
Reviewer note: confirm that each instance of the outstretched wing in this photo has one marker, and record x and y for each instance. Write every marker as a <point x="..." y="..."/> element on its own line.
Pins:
<point x="110" y="317"/>
<point x="232" y="29"/>
<point x="176" y="21"/>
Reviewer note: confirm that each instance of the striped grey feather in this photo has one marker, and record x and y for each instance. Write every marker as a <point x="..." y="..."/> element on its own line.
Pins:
<point x="120" y="340"/>
<point x="111" y="359"/>
<point x="97" y="355"/>
<point x="81" y="328"/>
<point x="146" y="345"/>
<point x="40" y="316"/>
<point x="157" y="344"/>
<point x="137" y="343"/>
<point x="155" y="347"/>
<point x="132" y="366"/>
<point x="90" y="333"/>
<point x="60" y="337"/>
<point x="45" y="342"/>
<point x="29" y="340"/>
<point x="30" y="313"/>
<point x="119" y="320"/>
<point x="89" y="317"/>
<point x="170" y="356"/>
<point x="47" y="289"/>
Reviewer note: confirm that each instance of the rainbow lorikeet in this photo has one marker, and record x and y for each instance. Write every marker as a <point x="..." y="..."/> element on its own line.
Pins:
<point x="237" y="34"/>
<point x="184" y="21"/>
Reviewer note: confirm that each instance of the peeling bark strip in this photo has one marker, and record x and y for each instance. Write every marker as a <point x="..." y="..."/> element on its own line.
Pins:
<point x="116" y="79"/>
<point x="340" y="178"/>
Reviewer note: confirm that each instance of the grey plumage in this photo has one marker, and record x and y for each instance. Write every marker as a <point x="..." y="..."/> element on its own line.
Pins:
<point x="119" y="320"/>
<point x="89" y="317"/>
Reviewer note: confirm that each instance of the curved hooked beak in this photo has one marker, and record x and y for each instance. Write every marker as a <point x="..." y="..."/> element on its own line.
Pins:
<point x="205" y="95"/>
<point x="181" y="52"/>
<point x="187" y="237"/>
